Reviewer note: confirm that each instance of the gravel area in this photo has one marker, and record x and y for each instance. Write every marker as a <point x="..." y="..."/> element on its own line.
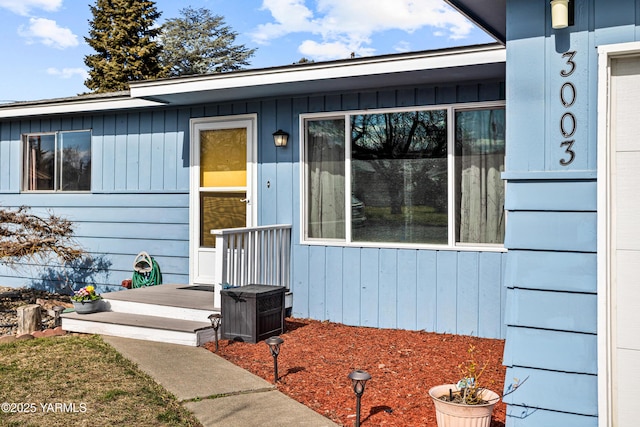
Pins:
<point x="12" y="298"/>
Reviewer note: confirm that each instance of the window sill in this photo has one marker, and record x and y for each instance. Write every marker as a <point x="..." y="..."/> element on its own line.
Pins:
<point x="427" y="247"/>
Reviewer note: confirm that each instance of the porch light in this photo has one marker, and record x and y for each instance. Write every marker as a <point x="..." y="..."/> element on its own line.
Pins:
<point x="274" y="346"/>
<point x="280" y="138"/>
<point x="216" y="319"/>
<point x="358" y="381"/>
<point x="562" y="13"/>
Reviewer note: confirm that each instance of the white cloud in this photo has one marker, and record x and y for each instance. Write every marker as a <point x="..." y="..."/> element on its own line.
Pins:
<point x="330" y="50"/>
<point x="67" y="73"/>
<point x="402" y="46"/>
<point x="345" y="26"/>
<point x="47" y="32"/>
<point x="23" y="7"/>
<point x="291" y="16"/>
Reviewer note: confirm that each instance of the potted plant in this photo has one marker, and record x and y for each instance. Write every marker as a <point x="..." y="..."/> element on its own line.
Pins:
<point x="466" y="403"/>
<point x="86" y="300"/>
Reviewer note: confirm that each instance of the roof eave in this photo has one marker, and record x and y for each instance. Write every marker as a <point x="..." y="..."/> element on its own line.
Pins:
<point x="383" y="71"/>
<point x="490" y="15"/>
<point x="482" y="62"/>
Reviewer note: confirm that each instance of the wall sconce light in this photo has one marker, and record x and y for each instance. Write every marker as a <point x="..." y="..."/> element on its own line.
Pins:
<point x="562" y="13"/>
<point x="280" y="138"/>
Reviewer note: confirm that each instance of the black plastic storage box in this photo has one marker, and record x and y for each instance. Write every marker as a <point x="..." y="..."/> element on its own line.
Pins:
<point x="252" y="313"/>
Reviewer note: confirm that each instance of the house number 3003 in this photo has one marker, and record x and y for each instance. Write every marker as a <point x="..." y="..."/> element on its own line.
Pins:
<point x="568" y="121"/>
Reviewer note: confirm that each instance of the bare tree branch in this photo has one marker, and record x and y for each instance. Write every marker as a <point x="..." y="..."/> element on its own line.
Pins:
<point x="24" y="235"/>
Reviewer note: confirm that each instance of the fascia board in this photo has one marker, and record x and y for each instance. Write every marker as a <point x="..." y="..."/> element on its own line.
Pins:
<point x="320" y="72"/>
<point x="72" y="106"/>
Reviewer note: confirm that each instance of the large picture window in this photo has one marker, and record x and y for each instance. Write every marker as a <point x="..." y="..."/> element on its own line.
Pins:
<point x="429" y="177"/>
<point x="59" y="161"/>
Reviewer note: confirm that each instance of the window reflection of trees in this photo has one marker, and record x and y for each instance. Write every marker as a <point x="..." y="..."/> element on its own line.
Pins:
<point x="409" y="150"/>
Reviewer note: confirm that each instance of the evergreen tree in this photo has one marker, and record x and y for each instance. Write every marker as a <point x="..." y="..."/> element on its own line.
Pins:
<point x="123" y="35"/>
<point x="200" y="43"/>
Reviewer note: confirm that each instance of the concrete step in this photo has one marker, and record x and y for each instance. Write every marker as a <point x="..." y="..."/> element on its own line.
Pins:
<point x="172" y="301"/>
<point x="158" y="310"/>
<point x="139" y="326"/>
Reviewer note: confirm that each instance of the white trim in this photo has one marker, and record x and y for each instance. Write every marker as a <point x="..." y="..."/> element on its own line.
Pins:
<point x="73" y="106"/>
<point x="605" y="234"/>
<point x="604" y="334"/>
<point x="451" y="177"/>
<point x="451" y="245"/>
<point x="250" y="121"/>
<point x="382" y="65"/>
<point x="24" y="142"/>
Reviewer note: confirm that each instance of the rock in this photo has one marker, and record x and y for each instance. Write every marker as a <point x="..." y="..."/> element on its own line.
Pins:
<point x="48" y="304"/>
<point x="24" y="337"/>
<point x="7" y="339"/>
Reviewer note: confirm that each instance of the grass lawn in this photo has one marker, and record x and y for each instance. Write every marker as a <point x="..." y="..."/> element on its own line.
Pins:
<point x="80" y="381"/>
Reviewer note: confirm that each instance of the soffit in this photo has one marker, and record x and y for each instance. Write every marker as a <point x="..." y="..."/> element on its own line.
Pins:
<point x="490" y="15"/>
<point x="475" y="63"/>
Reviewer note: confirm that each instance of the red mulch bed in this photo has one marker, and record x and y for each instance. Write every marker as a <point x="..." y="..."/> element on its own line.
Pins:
<point x="317" y="357"/>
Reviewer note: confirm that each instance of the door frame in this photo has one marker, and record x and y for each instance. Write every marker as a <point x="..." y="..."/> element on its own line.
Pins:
<point x="250" y="122"/>
<point x="606" y="233"/>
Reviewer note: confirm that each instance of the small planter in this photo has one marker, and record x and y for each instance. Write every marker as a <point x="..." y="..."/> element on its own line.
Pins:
<point x="85" y="307"/>
<point x="449" y="414"/>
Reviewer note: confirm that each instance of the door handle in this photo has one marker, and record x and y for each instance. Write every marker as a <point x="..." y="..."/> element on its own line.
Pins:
<point x="244" y="200"/>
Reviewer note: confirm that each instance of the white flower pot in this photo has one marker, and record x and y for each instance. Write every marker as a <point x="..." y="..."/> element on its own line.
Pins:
<point x="449" y="414"/>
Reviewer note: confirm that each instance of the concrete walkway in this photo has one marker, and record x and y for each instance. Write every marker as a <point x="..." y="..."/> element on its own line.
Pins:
<point x="216" y="391"/>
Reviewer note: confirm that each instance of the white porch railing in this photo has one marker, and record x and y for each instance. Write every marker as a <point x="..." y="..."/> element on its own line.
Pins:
<point x="253" y="255"/>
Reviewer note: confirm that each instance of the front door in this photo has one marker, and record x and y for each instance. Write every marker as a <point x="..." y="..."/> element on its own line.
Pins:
<point x="222" y="190"/>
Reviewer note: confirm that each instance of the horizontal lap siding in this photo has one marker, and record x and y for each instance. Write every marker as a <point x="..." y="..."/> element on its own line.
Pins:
<point x="552" y="303"/>
<point x="551" y="235"/>
<point x="551" y="266"/>
<point x="436" y="291"/>
<point x="113" y="229"/>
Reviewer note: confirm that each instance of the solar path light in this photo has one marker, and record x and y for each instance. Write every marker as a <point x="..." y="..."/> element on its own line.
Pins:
<point x="215" y="322"/>
<point x="274" y="346"/>
<point x="358" y="381"/>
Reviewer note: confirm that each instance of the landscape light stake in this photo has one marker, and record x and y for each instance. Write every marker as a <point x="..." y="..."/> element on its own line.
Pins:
<point x="358" y="381"/>
<point x="274" y="346"/>
<point x="57" y="310"/>
<point x="215" y="322"/>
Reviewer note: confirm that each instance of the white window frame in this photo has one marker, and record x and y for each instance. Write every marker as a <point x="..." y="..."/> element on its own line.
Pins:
<point x="451" y="202"/>
<point x="56" y="178"/>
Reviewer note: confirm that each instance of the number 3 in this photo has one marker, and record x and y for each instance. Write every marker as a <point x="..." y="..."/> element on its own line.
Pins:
<point x="570" y="54"/>
<point x="569" y="151"/>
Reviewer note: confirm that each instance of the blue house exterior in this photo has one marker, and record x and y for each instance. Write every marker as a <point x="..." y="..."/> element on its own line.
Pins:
<point x="561" y="288"/>
<point x="571" y="263"/>
<point x="141" y="193"/>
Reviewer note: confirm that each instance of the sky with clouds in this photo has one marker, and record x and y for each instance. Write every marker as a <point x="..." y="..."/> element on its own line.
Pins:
<point x="43" y="46"/>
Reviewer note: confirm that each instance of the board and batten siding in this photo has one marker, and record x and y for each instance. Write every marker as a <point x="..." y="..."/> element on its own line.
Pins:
<point x="140" y="201"/>
<point x="437" y="291"/>
<point x="551" y="264"/>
